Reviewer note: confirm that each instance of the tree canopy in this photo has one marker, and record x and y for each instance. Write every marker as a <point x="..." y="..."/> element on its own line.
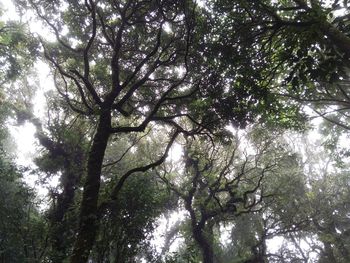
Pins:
<point x="170" y="107"/>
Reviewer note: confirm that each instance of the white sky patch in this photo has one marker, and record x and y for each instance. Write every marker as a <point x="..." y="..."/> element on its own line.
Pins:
<point x="26" y="151"/>
<point x="29" y="16"/>
<point x="167" y="28"/>
<point x="165" y="223"/>
<point x="225" y="233"/>
<point x="201" y="3"/>
<point x="274" y="244"/>
<point x="45" y="84"/>
<point x="24" y="138"/>
<point x="38" y="28"/>
<point x="9" y="12"/>
<point x="176" y="152"/>
<point x="180" y="71"/>
<point x="27" y="145"/>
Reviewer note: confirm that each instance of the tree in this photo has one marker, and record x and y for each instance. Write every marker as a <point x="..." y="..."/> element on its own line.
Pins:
<point x="127" y="227"/>
<point x="102" y="74"/>
<point x="17" y="50"/>
<point x="305" y="209"/>
<point x="64" y="154"/>
<point x="129" y="70"/>
<point x="303" y="46"/>
<point x="327" y="168"/>
<point x="222" y="181"/>
<point x="22" y="229"/>
<point x="124" y="65"/>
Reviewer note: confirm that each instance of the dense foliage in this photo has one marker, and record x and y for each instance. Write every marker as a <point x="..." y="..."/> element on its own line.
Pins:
<point x="172" y="110"/>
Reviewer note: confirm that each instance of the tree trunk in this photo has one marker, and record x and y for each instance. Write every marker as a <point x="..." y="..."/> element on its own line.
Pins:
<point x="205" y="246"/>
<point x="71" y="176"/>
<point x="197" y="228"/>
<point x="88" y="213"/>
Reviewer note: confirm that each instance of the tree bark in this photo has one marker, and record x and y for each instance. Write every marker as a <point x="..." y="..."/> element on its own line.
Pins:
<point x="72" y="174"/>
<point x="205" y="247"/>
<point x="88" y="213"/>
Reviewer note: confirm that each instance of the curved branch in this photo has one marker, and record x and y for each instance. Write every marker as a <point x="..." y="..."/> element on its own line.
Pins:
<point x="118" y="187"/>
